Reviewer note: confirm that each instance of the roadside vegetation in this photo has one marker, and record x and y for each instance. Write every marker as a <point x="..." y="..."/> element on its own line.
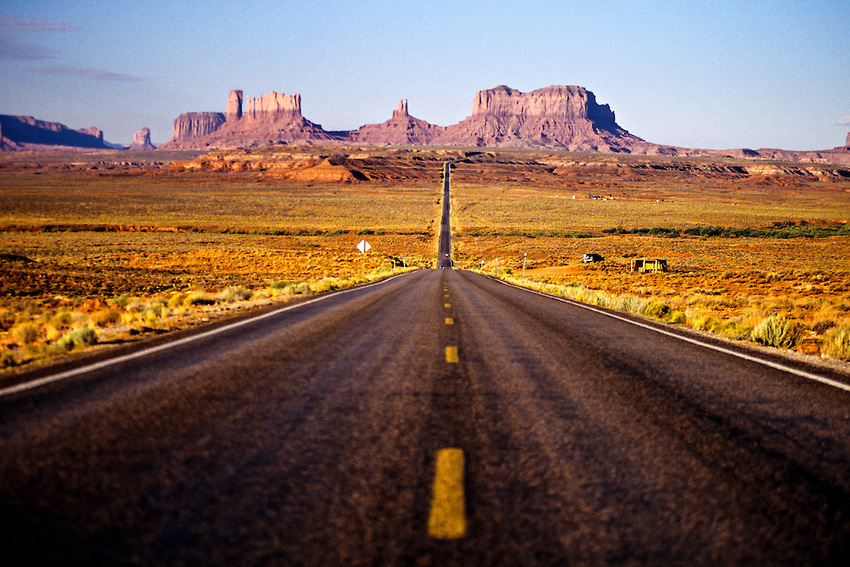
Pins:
<point x="93" y="254"/>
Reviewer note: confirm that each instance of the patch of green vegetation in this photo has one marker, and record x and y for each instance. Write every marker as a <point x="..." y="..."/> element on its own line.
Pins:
<point x="530" y="233"/>
<point x="788" y="229"/>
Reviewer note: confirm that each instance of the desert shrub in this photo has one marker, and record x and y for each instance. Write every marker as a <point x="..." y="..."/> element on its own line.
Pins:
<point x="234" y="294"/>
<point x="733" y="329"/>
<point x="325" y="284"/>
<point x="297" y="288"/>
<point x="705" y="323"/>
<point x="62" y="319"/>
<point x="78" y="338"/>
<point x="121" y="300"/>
<point x="677" y="318"/>
<point x="176" y="300"/>
<point x="280" y="284"/>
<point x="776" y="331"/>
<point x="105" y="317"/>
<point x="198" y="298"/>
<point x="8" y="359"/>
<point x="837" y="343"/>
<point x="629" y="304"/>
<point x="24" y="333"/>
<point x="820" y="327"/>
<point x="657" y="309"/>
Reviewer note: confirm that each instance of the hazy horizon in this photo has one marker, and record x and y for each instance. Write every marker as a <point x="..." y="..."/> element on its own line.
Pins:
<point x="691" y="74"/>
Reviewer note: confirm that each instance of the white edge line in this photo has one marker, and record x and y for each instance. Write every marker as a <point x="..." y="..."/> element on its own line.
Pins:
<point x="775" y="365"/>
<point x="23" y="387"/>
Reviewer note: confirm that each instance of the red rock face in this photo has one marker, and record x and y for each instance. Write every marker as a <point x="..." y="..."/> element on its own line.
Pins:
<point x="142" y="141"/>
<point x="565" y="117"/>
<point x="192" y="125"/>
<point x="561" y="117"/>
<point x="26" y="132"/>
<point x="557" y="117"/>
<point x="402" y="129"/>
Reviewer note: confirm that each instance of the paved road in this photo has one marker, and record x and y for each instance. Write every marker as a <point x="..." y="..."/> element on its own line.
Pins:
<point x="313" y="436"/>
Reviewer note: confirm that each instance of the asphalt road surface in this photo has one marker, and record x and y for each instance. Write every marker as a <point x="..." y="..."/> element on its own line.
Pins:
<point x="436" y="418"/>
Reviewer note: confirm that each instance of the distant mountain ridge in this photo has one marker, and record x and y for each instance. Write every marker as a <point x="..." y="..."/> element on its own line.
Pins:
<point x="28" y="133"/>
<point x="557" y="117"/>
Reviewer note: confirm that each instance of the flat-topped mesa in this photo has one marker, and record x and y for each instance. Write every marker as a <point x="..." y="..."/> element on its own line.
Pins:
<point x="191" y="125"/>
<point x="274" y="106"/>
<point x="570" y="102"/>
<point x="26" y="132"/>
<point x="401" y="110"/>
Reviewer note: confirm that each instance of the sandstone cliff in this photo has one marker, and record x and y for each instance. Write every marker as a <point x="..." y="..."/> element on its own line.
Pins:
<point x="555" y="117"/>
<point x="142" y="141"/>
<point x="28" y="133"/>
<point x="192" y="125"/>
<point x="558" y="117"/>
<point x="270" y="119"/>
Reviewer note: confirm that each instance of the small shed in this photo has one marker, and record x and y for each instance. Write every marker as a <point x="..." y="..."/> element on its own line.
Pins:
<point x="647" y="265"/>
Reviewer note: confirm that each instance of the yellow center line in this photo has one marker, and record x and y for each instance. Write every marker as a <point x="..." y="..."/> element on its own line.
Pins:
<point x="451" y="354"/>
<point x="448" y="305"/>
<point x="450" y="321"/>
<point x="447" y="518"/>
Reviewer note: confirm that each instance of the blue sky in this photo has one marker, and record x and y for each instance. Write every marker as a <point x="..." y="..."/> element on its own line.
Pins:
<point x="710" y="74"/>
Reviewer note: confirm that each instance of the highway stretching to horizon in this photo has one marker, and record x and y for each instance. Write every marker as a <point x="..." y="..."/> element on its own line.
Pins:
<point x="438" y="417"/>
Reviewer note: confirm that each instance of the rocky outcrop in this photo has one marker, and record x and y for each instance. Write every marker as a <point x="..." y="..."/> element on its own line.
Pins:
<point x="401" y="129"/>
<point x="234" y="106"/>
<point x="270" y="119"/>
<point x="847" y="143"/>
<point x="28" y="133"/>
<point x="274" y="106"/>
<point x="558" y="117"/>
<point x="401" y="109"/>
<point x="192" y="125"/>
<point x="142" y="141"/>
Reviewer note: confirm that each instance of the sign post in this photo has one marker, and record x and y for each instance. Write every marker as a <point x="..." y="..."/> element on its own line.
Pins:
<point x="364" y="247"/>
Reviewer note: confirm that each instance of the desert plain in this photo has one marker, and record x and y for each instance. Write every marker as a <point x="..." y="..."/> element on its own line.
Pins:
<point x="100" y="248"/>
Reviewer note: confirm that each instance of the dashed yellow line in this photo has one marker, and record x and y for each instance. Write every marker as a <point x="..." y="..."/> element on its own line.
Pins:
<point x="451" y="354"/>
<point x="448" y="305"/>
<point x="447" y="518"/>
<point x="450" y="321"/>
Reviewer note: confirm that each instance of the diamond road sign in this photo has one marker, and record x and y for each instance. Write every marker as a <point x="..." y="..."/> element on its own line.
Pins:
<point x="364" y="246"/>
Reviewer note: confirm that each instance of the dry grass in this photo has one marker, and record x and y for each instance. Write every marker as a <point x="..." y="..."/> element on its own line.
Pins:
<point x="110" y="253"/>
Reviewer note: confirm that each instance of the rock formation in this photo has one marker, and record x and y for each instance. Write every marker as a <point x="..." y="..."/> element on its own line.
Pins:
<point x="270" y="119"/>
<point x="192" y="125"/>
<point x="401" y="129"/>
<point x="142" y="141"/>
<point x="555" y="117"/>
<point x="847" y="143"/>
<point x="401" y="110"/>
<point x="274" y="106"/>
<point x="27" y="133"/>
<point x="234" y="106"/>
<point x="558" y="117"/>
